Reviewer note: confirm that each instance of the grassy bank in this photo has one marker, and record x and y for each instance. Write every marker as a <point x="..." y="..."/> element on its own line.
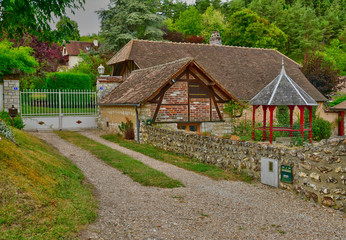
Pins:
<point x="135" y="169"/>
<point x="179" y="160"/>
<point x="42" y="194"/>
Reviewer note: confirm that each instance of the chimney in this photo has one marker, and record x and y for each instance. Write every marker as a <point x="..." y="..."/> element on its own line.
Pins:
<point x="96" y="43"/>
<point x="215" y="38"/>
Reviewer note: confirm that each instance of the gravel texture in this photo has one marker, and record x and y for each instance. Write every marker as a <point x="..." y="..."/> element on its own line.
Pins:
<point x="203" y="209"/>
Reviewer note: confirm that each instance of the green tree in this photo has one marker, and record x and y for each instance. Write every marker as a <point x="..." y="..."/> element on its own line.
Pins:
<point x="16" y="60"/>
<point x="272" y="10"/>
<point x="189" y="22"/>
<point x="172" y="9"/>
<point x="18" y="17"/>
<point x="70" y="27"/>
<point x="337" y="51"/>
<point x="129" y="19"/>
<point x="246" y="28"/>
<point x="212" y="20"/>
<point x="202" y="5"/>
<point x="303" y="29"/>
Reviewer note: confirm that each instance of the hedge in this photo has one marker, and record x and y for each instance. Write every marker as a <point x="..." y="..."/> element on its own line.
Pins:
<point x="63" y="80"/>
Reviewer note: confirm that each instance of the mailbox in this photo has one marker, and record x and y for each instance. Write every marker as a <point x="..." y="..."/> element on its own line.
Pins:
<point x="13" y="112"/>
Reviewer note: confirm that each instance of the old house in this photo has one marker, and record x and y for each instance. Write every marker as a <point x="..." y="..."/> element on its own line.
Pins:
<point x="184" y="86"/>
<point x="73" y="49"/>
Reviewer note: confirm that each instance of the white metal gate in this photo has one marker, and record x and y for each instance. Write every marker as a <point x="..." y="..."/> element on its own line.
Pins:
<point x="45" y="109"/>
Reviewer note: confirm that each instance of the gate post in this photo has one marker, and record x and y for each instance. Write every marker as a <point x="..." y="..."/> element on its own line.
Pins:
<point x="1" y="96"/>
<point x="11" y="94"/>
<point x="60" y="113"/>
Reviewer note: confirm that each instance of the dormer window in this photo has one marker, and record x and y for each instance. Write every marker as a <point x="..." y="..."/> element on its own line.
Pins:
<point x="87" y="48"/>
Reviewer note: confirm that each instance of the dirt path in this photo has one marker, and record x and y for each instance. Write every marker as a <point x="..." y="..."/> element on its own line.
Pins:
<point x="204" y="209"/>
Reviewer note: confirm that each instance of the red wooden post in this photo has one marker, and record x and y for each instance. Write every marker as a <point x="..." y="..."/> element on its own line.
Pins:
<point x="310" y="123"/>
<point x="301" y="108"/>
<point x="341" y="127"/>
<point x="253" y="121"/>
<point x="264" y="121"/>
<point x="291" y="119"/>
<point x="271" y="110"/>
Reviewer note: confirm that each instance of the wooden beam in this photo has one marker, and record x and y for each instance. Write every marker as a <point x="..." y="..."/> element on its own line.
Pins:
<point x="158" y="108"/>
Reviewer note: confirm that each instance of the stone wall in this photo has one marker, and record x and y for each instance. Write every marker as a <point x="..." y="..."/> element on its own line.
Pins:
<point x="1" y="96"/>
<point x="319" y="170"/>
<point x="11" y="94"/>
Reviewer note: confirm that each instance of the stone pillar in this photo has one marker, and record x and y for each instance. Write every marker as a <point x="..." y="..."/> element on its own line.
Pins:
<point x="11" y="94"/>
<point x="104" y="85"/>
<point x="1" y="96"/>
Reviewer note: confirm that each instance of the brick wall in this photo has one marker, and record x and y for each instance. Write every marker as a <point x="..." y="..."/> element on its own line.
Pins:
<point x="176" y="94"/>
<point x="319" y="170"/>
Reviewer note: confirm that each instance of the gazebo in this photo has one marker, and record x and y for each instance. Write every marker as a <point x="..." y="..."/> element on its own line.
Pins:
<point x="282" y="91"/>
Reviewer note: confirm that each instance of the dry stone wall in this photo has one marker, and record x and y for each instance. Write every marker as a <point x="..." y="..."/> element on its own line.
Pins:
<point x="319" y="170"/>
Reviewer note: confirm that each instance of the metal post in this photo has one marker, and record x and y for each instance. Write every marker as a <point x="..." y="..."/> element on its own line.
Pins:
<point x="60" y="113"/>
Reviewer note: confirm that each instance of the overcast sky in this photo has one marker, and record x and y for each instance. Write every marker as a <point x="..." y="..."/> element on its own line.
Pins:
<point x="87" y="19"/>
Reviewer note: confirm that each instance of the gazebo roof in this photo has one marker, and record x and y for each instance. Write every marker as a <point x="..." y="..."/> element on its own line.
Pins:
<point x="283" y="91"/>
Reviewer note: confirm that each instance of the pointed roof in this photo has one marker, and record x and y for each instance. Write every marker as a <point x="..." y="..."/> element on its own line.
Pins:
<point x="144" y="84"/>
<point x="283" y="91"/>
<point x="242" y="71"/>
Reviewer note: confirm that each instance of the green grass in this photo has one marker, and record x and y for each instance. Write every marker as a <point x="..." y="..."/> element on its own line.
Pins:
<point x="135" y="169"/>
<point x="178" y="160"/>
<point x="42" y="194"/>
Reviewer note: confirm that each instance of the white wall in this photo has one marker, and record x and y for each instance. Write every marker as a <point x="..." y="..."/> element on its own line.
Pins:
<point x="73" y="61"/>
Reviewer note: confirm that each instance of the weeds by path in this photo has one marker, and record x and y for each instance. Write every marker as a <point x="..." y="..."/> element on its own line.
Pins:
<point x="43" y="195"/>
<point x="179" y="160"/>
<point x="138" y="171"/>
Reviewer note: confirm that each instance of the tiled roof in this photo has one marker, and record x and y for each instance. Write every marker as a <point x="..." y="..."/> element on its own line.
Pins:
<point x="242" y="71"/>
<point x="110" y="79"/>
<point x="73" y="48"/>
<point x="339" y="107"/>
<point x="283" y="91"/>
<point x="144" y="84"/>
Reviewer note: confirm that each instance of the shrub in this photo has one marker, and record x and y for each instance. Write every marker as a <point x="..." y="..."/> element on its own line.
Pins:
<point x="321" y="129"/>
<point x="17" y="122"/>
<point x="6" y="131"/>
<point x="127" y="129"/>
<point x="63" y="80"/>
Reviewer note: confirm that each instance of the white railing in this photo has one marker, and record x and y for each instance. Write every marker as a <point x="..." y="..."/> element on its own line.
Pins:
<point x="48" y="102"/>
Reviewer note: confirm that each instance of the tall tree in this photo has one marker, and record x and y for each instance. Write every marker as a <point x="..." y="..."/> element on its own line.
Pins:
<point x="71" y="27"/>
<point x="212" y="20"/>
<point x="321" y="73"/>
<point x="128" y="19"/>
<point x="303" y="29"/>
<point x="202" y="5"/>
<point x="189" y="22"/>
<point x="18" y="17"/>
<point x="172" y="9"/>
<point x="246" y="28"/>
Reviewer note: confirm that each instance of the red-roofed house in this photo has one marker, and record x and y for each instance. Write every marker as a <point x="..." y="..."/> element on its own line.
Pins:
<point x="73" y="48"/>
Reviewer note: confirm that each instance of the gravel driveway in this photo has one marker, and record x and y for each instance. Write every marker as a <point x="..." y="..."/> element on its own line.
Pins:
<point x="203" y="209"/>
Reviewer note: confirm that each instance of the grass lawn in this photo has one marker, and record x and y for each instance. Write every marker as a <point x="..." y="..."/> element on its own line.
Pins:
<point x="42" y="194"/>
<point x="179" y="160"/>
<point x="135" y="169"/>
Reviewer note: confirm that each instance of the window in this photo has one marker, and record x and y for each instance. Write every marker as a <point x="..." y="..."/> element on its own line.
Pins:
<point x="189" y="127"/>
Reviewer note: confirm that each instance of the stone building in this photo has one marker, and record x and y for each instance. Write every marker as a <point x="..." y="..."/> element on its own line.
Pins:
<point x="73" y="48"/>
<point x="155" y="91"/>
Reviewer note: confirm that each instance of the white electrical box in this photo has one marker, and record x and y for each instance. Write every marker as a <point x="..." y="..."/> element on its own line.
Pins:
<point x="270" y="172"/>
